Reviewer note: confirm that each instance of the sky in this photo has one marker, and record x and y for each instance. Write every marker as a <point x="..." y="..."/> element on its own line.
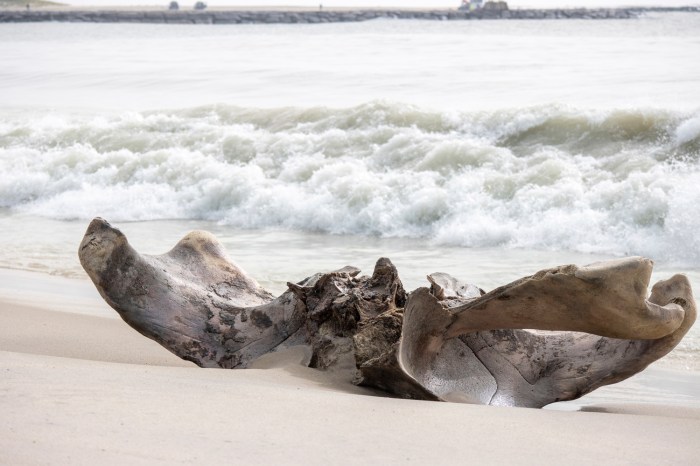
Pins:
<point x="396" y="3"/>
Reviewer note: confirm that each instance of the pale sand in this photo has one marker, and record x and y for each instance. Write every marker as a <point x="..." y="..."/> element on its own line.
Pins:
<point x="83" y="388"/>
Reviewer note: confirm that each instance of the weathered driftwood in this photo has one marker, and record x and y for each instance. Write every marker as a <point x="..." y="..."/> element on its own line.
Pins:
<point x="553" y="336"/>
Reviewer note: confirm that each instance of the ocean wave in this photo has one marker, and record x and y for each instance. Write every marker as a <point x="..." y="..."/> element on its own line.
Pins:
<point x="551" y="177"/>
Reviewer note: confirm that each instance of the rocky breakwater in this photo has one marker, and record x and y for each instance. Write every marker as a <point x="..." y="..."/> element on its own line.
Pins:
<point x="243" y="17"/>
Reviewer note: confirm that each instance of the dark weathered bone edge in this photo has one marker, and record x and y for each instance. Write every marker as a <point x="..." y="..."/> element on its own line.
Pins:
<point x="552" y="336"/>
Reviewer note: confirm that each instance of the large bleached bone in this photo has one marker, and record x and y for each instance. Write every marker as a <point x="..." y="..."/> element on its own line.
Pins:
<point x="552" y="336"/>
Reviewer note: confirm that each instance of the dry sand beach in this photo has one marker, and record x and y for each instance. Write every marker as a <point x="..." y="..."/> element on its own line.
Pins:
<point x="484" y="149"/>
<point x="81" y="387"/>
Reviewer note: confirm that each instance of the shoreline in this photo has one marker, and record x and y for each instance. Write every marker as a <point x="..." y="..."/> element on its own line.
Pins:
<point x="79" y="386"/>
<point x="37" y="308"/>
<point x="309" y="16"/>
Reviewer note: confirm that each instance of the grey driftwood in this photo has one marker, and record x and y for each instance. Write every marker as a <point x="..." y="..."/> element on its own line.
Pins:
<point x="552" y="336"/>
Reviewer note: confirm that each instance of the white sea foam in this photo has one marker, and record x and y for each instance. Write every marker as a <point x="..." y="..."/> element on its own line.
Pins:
<point x="555" y="178"/>
<point x="688" y="131"/>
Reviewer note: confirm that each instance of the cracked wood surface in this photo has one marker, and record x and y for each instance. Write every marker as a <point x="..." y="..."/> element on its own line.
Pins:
<point x="553" y="336"/>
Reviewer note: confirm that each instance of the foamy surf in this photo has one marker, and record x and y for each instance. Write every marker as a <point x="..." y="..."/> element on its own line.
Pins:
<point x="548" y="177"/>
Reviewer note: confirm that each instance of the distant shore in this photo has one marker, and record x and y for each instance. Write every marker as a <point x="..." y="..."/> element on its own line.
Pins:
<point x="306" y="16"/>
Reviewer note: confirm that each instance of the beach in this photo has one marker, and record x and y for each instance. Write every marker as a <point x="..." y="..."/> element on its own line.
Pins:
<point x="82" y="387"/>
<point x="488" y="150"/>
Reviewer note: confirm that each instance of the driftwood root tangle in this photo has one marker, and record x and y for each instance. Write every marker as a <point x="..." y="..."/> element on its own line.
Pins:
<point x="552" y="336"/>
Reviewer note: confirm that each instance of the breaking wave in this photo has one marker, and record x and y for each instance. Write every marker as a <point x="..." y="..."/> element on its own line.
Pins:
<point x="550" y="177"/>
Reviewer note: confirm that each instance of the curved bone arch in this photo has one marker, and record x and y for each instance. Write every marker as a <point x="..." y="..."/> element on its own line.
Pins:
<point x="552" y="336"/>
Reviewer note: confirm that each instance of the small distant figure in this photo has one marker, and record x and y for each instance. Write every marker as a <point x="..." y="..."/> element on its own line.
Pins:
<point x="174" y="6"/>
<point x="200" y="6"/>
<point x="470" y="5"/>
<point x="28" y="7"/>
<point x="320" y="7"/>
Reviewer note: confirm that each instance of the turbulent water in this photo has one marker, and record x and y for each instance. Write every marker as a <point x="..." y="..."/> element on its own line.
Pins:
<point x="542" y="177"/>
<point x="486" y="149"/>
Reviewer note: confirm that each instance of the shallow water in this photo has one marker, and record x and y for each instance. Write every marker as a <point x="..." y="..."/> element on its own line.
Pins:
<point x="458" y="65"/>
<point x="608" y="182"/>
<point x="556" y="135"/>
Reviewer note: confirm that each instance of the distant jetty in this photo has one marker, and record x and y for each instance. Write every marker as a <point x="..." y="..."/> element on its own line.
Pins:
<point x="213" y="16"/>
